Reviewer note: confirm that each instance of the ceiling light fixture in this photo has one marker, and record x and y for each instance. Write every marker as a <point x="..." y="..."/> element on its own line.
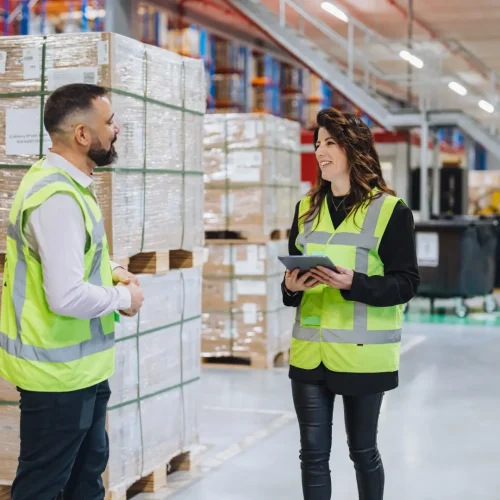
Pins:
<point x="459" y="89"/>
<point x="335" y="11"/>
<point x="414" y="60"/>
<point x="489" y="108"/>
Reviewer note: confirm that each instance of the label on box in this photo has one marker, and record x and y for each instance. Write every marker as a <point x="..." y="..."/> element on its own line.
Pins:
<point x="31" y="63"/>
<point x="245" y="174"/>
<point x="63" y="76"/>
<point x="249" y="268"/>
<point x="249" y="314"/>
<point x="3" y="61"/>
<point x="428" y="249"/>
<point x="206" y="255"/>
<point x="250" y="287"/>
<point x="22" y="132"/>
<point x="103" y="52"/>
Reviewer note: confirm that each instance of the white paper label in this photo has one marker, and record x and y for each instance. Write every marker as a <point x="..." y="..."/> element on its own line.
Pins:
<point x="3" y="61"/>
<point x="31" y="63"/>
<point x="249" y="314"/>
<point x="206" y="254"/>
<point x="63" y="76"/>
<point x="22" y="132"/>
<point x="428" y="249"/>
<point x="245" y="174"/>
<point x="103" y="52"/>
<point x="249" y="287"/>
<point x="249" y="268"/>
<point x="262" y="252"/>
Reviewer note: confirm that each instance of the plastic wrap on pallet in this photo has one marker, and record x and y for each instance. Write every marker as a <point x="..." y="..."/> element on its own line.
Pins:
<point x="157" y="372"/>
<point x="243" y="314"/>
<point x="252" y="172"/>
<point x="148" y="201"/>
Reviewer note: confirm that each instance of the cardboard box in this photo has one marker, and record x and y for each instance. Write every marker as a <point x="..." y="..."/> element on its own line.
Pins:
<point x="252" y="173"/>
<point x="243" y="313"/>
<point x="157" y="372"/>
<point x="152" y="198"/>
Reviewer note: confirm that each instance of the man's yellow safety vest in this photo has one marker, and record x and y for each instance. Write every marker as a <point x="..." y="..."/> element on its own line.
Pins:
<point x="40" y="350"/>
<point x="346" y="336"/>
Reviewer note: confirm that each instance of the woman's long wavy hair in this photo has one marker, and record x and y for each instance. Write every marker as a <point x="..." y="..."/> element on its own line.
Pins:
<point x="365" y="173"/>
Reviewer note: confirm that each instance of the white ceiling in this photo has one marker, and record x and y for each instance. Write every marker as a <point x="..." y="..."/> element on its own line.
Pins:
<point x="460" y="36"/>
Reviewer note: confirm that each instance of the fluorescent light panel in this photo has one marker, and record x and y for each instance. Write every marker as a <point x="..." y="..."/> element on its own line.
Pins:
<point x="459" y="89"/>
<point x="489" y="108"/>
<point x="414" y="60"/>
<point x="335" y="11"/>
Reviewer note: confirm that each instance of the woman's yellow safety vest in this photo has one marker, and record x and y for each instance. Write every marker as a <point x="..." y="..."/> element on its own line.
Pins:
<point x="346" y="336"/>
<point x="40" y="350"/>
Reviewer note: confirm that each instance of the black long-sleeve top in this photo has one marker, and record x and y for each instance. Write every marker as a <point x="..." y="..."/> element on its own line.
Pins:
<point x="398" y="285"/>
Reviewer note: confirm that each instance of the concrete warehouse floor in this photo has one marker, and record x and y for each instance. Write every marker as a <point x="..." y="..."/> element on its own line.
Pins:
<point x="438" y="435"/>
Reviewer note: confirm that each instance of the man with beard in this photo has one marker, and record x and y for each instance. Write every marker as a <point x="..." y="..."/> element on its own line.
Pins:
<point x="60" y="295"/>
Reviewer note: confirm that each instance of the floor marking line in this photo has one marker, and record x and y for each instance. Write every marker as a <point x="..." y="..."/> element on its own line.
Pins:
<point x="210" y="464"/>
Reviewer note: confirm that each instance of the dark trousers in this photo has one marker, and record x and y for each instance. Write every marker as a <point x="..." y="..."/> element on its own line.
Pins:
<point x="314" y="407"/>
<point x="64" y="445"/>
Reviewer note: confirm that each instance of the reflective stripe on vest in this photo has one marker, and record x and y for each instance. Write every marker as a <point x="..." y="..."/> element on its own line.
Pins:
<point x="364" y="242"/>
<point x="99" y="342"/>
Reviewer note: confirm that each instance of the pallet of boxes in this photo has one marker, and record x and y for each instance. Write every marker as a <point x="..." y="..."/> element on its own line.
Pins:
<point x="252" y="178"/>
<point x="152" y="202"/>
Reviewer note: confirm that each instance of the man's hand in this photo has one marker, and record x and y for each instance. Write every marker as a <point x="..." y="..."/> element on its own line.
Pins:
<point x="137" y="296"/>
<point x="120" y="275"/>
<point x="342" y="279"/>
<point x="295" y="284"/>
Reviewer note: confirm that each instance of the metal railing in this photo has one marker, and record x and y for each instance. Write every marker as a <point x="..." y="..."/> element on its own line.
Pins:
<point x="422" y="85"/>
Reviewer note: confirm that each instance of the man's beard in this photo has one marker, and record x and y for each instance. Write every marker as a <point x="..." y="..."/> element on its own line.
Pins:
<point x="102" y="157"/>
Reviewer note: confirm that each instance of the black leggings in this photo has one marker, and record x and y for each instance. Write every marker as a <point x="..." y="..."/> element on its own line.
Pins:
<point x="314" y="407"/>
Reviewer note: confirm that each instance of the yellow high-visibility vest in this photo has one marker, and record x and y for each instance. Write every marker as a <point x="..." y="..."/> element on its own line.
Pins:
<point x="41" y="350"/>
<point x="346" y="336"/>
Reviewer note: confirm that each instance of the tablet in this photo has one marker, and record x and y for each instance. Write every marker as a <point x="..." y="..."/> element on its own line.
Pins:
<point x="306" y="262"/>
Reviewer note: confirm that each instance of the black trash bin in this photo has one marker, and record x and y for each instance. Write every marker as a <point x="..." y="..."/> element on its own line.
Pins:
<point x="457" y="259"/>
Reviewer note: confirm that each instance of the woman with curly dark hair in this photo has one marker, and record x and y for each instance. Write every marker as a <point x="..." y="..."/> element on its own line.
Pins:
<point x="346" y="338"/>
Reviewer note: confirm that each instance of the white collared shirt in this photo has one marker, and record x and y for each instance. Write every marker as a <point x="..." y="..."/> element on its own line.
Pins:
<point x="56" y="232"/>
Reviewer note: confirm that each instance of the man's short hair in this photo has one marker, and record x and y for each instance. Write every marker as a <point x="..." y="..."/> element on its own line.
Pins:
<point x="67" y="100"/>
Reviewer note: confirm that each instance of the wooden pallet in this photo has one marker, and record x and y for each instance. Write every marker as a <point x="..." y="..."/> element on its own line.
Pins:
<point x="162" y="262"/>
<point x="242" y="236"/>
<point x="281" y="359"/>
<point x="154" y="481"/>
<point x="148" y="484"/>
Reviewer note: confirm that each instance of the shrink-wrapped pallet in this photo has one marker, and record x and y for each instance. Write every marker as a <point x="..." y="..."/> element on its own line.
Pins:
<point x="153" y="411"/>
<point x="243" y="313"/>
<point x="152" y="198"/>
<point x="157" y="374"/>
<point x="252" y="173"/>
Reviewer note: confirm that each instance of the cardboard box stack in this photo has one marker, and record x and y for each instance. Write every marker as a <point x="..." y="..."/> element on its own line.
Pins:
<point x="252" y="173"/>
<point x="153" y="412"/>
<point x="152" y="198"/>
<point x="243" y="314"/>
<point x="152" y="201"/>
